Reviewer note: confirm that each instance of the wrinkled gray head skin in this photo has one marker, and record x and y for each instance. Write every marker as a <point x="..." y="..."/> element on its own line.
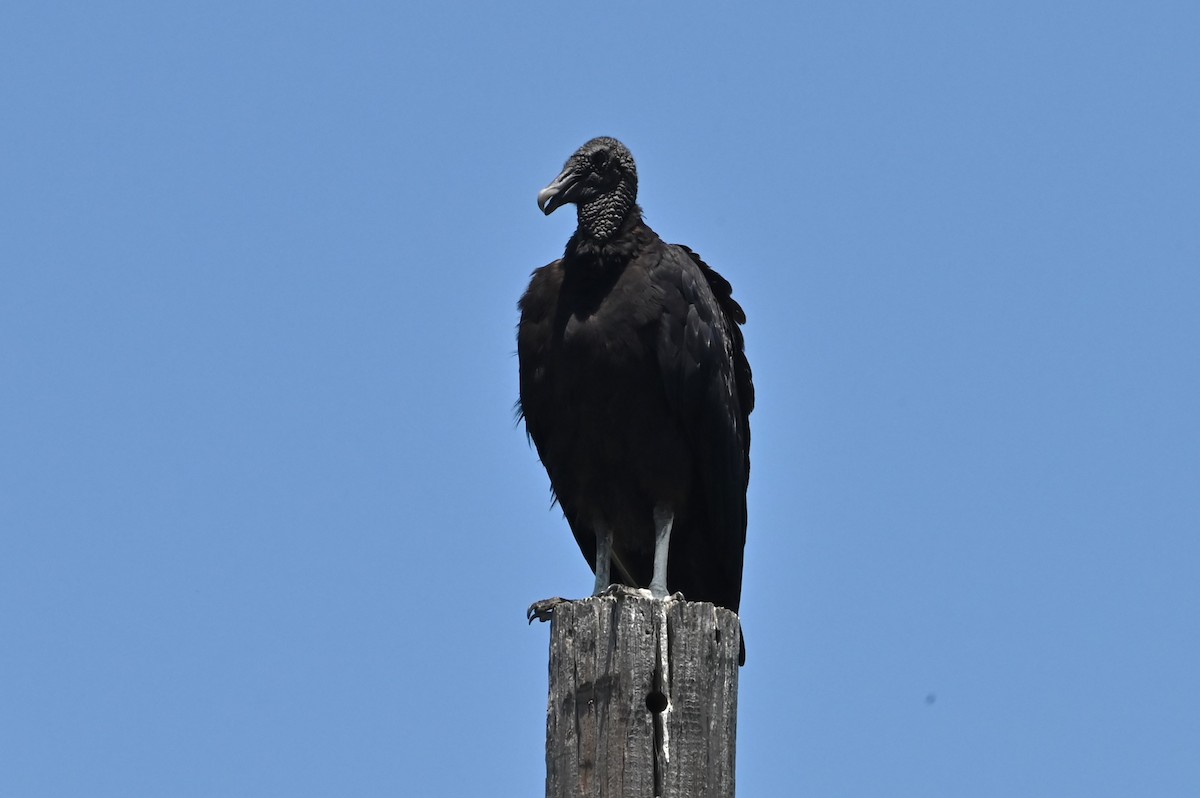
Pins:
<point x="601" y="180"/>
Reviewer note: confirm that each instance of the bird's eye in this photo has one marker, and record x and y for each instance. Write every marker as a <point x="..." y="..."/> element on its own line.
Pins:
<point x="600" y="158"/>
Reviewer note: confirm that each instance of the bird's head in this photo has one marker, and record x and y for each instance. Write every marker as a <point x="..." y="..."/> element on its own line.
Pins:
<point x="601" y="180"/>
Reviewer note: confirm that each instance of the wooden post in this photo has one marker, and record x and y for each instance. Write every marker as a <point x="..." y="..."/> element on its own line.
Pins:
<point x="643" y="699"/>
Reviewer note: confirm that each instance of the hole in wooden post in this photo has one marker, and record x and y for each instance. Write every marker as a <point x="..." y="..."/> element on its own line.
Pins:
<point x="717" y="635"/>
<point x="656" y="702"/>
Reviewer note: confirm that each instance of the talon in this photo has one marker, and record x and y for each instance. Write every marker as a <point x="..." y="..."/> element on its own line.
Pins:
<point x="544" y="610"/>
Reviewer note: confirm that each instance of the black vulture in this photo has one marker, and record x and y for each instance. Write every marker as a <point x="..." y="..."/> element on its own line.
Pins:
<point x="636" y="391"/>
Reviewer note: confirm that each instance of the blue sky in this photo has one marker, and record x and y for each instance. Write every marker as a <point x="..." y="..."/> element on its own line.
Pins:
<point x="267" y="526"/>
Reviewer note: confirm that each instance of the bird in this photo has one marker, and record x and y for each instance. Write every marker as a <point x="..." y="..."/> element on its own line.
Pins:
<point x="636" y="393"/>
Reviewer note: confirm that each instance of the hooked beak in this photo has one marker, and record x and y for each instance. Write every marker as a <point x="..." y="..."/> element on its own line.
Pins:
<point x="561" y="191"/>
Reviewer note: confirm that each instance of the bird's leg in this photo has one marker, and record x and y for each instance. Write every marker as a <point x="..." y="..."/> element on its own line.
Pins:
<point x="544" y="610"/>
<point x="663" y="519"/>
<point x="604" y="539"/>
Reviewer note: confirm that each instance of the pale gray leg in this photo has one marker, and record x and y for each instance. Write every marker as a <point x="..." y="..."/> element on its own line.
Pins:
<point x="663" y="519"/>
<point x="603" y="558"/>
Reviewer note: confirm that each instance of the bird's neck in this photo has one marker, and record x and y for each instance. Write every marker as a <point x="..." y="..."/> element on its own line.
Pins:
<point x="602" y="218"/>
<point x="590" y="250"/>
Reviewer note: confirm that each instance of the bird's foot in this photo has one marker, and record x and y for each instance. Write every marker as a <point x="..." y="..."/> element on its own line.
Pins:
<point x="625" y="590"/>
<point x="544" y="610"/>
<point x="641" y="592"/>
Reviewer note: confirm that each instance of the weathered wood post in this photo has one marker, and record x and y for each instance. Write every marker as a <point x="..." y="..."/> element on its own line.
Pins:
<point x="643" y="699"/>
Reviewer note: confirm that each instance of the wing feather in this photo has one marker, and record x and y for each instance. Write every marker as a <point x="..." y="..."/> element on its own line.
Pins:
<point x="707" y="381"/>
